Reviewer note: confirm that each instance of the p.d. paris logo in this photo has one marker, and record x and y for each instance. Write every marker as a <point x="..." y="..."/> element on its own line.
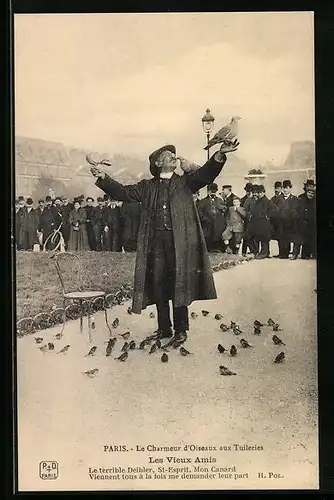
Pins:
<point x="48" y="469"/>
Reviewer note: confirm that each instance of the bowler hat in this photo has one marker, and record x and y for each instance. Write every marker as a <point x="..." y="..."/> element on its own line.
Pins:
<point x="155" y="155"/>
<point x="21" y="198"/>
<point x="100" y="198"/>
<point x="213" y="187"/>
<point x="90" y="198"/>
<point x="48" y="198"/>
<point x="309" y="182"/>
<point x="287" y="183"/>
<point x="278" y="184"/>
<point x="30" y="201"/>
<point x="248" y="187"/>
<point x="41" y="200"/>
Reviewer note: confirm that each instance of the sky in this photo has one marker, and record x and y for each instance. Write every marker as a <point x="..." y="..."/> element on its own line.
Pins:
<point x="129" y="83"/>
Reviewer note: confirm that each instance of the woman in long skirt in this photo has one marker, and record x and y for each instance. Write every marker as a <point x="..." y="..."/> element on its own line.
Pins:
<point x="78" y="239"/>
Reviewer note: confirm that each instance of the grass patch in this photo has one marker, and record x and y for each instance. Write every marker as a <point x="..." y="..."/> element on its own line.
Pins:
<point x="38" y="288"/>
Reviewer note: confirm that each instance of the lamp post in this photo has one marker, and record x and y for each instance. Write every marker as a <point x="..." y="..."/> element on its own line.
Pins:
<point x="207" y="123"/>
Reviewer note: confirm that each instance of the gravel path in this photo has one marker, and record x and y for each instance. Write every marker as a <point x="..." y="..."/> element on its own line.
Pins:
<point x="66" y="416"/>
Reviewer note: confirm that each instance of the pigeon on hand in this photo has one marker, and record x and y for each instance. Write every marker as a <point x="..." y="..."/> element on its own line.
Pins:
<point x="115" y="323"/>
<point x="277" y="340"/>
<point x="38" y="340"/>
<point x="125" y="347"/>
<point x="132" y="345"/>
<point x="164" y="358"/>
<point x="105" y="162"/>
<point x="91" y="352"/>
<point x="225" y="371"/>
<point x="205" y="313"/>
<point x="218" y="316"/>
<point x="227" y="132"/>
<point x="123" y="356"/>
<point x="194" y="315"/>
<point x="258" y="324"/>
<point x="152" y="315"/>
<point x="184" y="351"/>
<point x="280" y="357"/>
<point x="64" y="349"/>
<point x="244" y="343"/>
<point x="221" y="349"/>
<point x="257" y="330"/>
<point x="154" y="347"/>
<point x="233" y="350"/>
<point x="51" y="346"/>
<point x="125" y="335"/>
<point x="91" y="373"/>
<point x="110" y="346"/>
<point x="270" y="322"/>
<point x="90" y="161"/>
<point x="224" y="327"/>
<point x="129" y="310"/>
<point x="276" y="328"/>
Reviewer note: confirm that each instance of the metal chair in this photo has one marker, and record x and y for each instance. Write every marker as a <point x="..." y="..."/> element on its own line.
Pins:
<point x="80" y="292"/>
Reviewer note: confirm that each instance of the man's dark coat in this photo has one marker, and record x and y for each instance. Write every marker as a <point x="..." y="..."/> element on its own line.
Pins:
<point x="212" y="212"/>
<point x="194" y="280"/>
<point x="260" y="215"/>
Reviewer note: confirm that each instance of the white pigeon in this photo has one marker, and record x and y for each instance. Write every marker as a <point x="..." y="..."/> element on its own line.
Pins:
<point x="227" y="132"/>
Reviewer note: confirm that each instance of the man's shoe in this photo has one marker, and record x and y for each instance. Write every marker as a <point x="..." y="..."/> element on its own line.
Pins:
<point x="161" y="334"/>
<point x="293" y="257"/>
<point x="179" y="339"/>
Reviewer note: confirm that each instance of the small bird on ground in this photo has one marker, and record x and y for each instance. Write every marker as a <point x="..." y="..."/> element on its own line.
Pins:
<point x="280" y="357"/>
<point x="58" y="336"/>
<point x="115" y="323"/>
<point x="51" y="346"/>
<point x="229" y="131"/>
<point x="142" y="344"/>
<point x="271" y="322"/>
<point x="64" y="349"/>
<point x="129" y="310"/>
<point x="110" y="346"/>
<point x="158" y="343"/>
<point x="232" y="325"/>
<point x="125" y="335"/>
<point x="91" y="373"/>
<point x="154" y="347"/>
<point x="224" y="327"/>
<point x="164" y="358"/>
<point x="277" y="340"/>
<point x="44" y="348"/>
<point x="218" y="316"/>
<point x="244" y="343"/>
<point x="132" y="345"/>
<point x="93" y="325"/>
<point x="225" y="371"/>
<point x="236" y="330"/>
<point x="91" y="352"/>
<point x="205" y="313"/>
<point x="184" y="351"/>
<point x="276" y="328"/>
<point x="152" y="315"/>
<point x="38" y="340"/>
<point x="257" y="330"/>
<point x="233" y="350"/>
<point x="123" y="356"/>
<point x="194" y="315"/>
<point x="221" y="349"/>
<point x="258" y="324"/>
<point x="125" y="347"/>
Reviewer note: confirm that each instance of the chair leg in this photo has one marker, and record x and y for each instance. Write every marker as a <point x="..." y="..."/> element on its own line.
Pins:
<point x="64" y="318"/>
<point x="89" y="321"/>
<point x="81" y="316"/>
<point x="106" y="318"/>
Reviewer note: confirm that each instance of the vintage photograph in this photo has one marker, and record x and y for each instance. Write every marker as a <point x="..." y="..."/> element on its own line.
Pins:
<point x="164" y="227"/>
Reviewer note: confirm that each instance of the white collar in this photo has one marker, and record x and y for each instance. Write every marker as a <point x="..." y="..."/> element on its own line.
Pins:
<point x="166" y="175"/>
<point x="286" y="196"/>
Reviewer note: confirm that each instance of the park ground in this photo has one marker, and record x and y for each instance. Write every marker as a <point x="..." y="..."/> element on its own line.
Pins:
<point x="64" y="415"/>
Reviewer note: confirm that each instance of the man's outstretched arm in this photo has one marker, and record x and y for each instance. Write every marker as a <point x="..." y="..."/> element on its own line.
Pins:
<point x="117" y="191"/>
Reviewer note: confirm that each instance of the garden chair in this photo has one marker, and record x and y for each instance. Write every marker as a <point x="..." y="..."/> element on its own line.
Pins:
<point x="77" y="288"/>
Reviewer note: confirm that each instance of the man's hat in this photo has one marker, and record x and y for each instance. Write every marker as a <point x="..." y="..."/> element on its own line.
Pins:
<point x="248" y="187"/>
<point x="278" y="184"/>
<point x="30" y="201"/>
<point x="21" y="198"/>
<point x="90" y="198"/>
<point x="48" y="198"/>
<point x="99" y="198"/>
<point x="41" y="200"/>
<point x="57" y="198"/>
<point x="155" y="155"/>
<point x="212" y="187"/>
<point x="255" y="188"/>
<point x="106" y="197"/>
<point x="287" y="183"/>
<point x="309" y="183"/>
<point x="261" y="189"/>
<point x="227" y="186"/>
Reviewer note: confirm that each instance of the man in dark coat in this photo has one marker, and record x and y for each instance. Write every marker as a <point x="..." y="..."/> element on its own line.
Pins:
<point x="260" y="228"/>
<point x="48" y="221"/>
<point x="130" y="218"/>
<point x="172" y="261"/>
<point x="276" y="199"/>
<point x="287" y="212"/>
<point x="97" y="221"/>
<point x="66" y="209"/>
<point x="307" y="220"/>
<point x="20" y="216"/>
<point x="28" y="232"/>
<point x="249" y="195"/>
<point x="212" y="213"/>
<point x="227" y="195"/>
<point x="89" y="208"/>
<point x="111" y="224"/>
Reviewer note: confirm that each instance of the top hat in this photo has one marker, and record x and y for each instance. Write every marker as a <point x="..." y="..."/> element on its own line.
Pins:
<point x="248" y="187"/>
<point x="155" y="155"/>
<point x="287" y="183"/>
<point x="278" y="184"/>
<point x="212" y="187"/>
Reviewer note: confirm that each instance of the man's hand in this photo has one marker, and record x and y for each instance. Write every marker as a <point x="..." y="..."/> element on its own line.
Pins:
<point x="229" y="146"/>
<point x="97" y="172"/>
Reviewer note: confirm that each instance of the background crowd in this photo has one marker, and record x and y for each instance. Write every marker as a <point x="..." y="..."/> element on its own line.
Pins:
<point x="230" y="223"/>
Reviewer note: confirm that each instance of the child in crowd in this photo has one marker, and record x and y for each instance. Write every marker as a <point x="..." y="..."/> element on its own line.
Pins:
<point x="234" y="231"/>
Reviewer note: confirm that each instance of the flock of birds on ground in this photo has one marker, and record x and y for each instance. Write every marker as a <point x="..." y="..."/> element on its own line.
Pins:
<point x="155" y="344"/>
